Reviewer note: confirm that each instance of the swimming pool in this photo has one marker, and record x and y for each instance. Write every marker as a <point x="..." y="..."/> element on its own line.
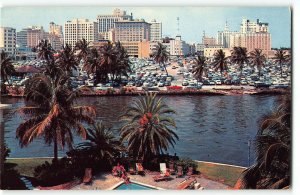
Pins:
<point x="133" y="186"/>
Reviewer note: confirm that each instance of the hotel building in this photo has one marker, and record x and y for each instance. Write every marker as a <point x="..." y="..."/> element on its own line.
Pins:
<point x="78" y="29"/>
<point x="155" y="31"/>
<point x="56" y="37"/>
<point x="8" y="40"/>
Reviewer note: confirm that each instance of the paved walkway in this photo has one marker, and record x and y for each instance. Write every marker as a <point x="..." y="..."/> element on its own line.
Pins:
<point x="105" y="181"/>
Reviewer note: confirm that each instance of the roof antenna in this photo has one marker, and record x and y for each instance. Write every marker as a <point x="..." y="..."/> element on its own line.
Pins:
<point x="177" y="25"/>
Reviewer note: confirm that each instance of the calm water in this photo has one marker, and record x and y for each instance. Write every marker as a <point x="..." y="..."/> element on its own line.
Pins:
<point x="210" y="128"/>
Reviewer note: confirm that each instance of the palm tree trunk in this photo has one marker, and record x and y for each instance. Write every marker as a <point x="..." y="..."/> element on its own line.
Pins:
<point x="281" y="69"/>
<point x="165" y="69"/>
<point x="55" y="147"/>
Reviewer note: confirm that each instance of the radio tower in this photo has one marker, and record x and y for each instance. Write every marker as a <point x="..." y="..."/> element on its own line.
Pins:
<point x="178" y="26"/>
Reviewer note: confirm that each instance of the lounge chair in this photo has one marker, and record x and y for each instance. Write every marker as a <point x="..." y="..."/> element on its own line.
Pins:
<point x="87" y="176"/>
<point x="162" y="177"/>
<point x="190" y="171"/>
<point x="163" y="168"/>
<point x="171" y="168"/>
<point x="179" y="171"/>
<point x="132" y="171"/>
<point x="140" y="168"/>
<point x="187" y="183"/>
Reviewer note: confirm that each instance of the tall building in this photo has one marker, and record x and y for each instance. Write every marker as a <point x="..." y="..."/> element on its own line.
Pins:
<point x="208" y="40"/>
<point x="107" y="22"/>
<point x="224" y="36"/>
<point x="34" y="35"/>
<point x="155" y="31"/>
<point x="56" y="37"/>
<point x="252" y="35"/>
<point x="78" y="29"/>
<point x="252" y="41"/>
<point x="8" y="40"/>
<point x="254" y="27"/>
<point x="22" y="38"/>
<point x="133" y="30"/>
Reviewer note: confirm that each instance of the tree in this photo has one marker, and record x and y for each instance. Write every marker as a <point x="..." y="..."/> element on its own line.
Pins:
<point x="281" y="57"/>
<point x="200" y="67"/>
<point x="52" y="113"/>
<point x="239" y="56"/>
<point x="122" y="65"/>
<point x="161" y="55"/>
<point x="257" y="59"/>
<point x="44" y="50"/>
<point x="101" y="144"/>
<point x="220" y="61"/>
<point x="67" y="60"/>
<point x="148" y="128"/>
<point x="273" y="145"/>
<point x="82" y="47"/>
<point x="7" y="70"/>
<point x="108" y="57"/>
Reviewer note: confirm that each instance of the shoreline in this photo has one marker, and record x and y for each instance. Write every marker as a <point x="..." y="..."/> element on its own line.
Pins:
<point x="208" y="92"/>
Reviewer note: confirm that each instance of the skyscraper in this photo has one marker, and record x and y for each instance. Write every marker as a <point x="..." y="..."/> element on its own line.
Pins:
<point x="56" y="37"/>
<point x="78" y="29"/>
<point x="106" y="22"/>
<point x="155" y="31"/>
<point x="133" y="30"/>
<point x="8" y="40"/>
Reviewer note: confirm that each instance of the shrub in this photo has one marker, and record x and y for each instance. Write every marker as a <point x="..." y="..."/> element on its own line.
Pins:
<point x="55" y="173"/>
<point x="186" y="163"/>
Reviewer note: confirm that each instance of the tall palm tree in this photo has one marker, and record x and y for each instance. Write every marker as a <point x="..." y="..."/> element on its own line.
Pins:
<point x="148" y="128"/>
<point x="273" y="148"/>
<point x="108" y="58"/>
<point x="200" y="67"/>
<point x="66" y="59"/>
<point x="122" y="65"/>
<point x="220" y="61"/>
<point x="53" y="115"/>
<point x="102" y="143"/>
<point x="281" y="57"/>
<point x="161" y="55"/>
<point x="239" y="56"/>
<point x="257" y="59"/>
<point x="82" y="47"/>
<point x="7" y="70"/>
<point x="44" y="50"/>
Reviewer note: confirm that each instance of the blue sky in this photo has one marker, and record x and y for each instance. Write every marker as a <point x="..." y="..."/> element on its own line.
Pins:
<point x="193" y="20"/>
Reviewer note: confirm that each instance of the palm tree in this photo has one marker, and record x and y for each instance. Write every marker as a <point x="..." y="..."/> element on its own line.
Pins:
<point x="161" y="55"/>
<point x="281" y="57"/>
<point x="108" y="57"/>
<point x="122" y="65"/>
<point x="52" y="113"/>
<point x="82" y="46"/>
<point x="239" y="56"/>
<point x="66" y="59"/>
<point x="257" y="59"/>
<point x="273" y="148"/>
<point x="148" y="128"/>
<point x="44" y="50"/>
<point x="102" y="144"/>
<point x="200" y="67"/>
<point x="7" y="70"/>
<point x="220" y="61"/>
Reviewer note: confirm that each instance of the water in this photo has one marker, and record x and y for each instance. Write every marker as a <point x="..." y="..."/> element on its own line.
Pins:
<point x="210" y="128"/>
<point x="132" y="186"/>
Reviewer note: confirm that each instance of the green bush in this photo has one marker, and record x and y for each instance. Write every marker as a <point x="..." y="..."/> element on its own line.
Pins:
<point x="55" y="173"/>
<point x="186" y="163"/>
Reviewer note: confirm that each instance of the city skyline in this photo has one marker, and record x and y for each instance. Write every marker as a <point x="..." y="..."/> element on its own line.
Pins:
<point x="209" y="19"/>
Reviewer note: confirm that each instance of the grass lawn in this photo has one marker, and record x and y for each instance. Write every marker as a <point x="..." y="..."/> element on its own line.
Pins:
<point x="225" y="174"/>
<point x="26" y="166"/>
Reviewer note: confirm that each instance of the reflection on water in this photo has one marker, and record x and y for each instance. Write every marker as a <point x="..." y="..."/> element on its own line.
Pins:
<point x="210" y="128"/>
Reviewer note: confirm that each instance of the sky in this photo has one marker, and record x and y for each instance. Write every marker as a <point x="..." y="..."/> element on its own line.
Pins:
<point x="192" y="20"/>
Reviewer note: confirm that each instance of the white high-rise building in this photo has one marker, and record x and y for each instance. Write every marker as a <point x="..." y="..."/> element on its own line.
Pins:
<point x="107" y="22"/>
<point x="78" y="29"/>
<point x="8" y="40"/>
<point x="224" y="36"/>
<point x="155" y="31"/>
<point x="254" y="27"/>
